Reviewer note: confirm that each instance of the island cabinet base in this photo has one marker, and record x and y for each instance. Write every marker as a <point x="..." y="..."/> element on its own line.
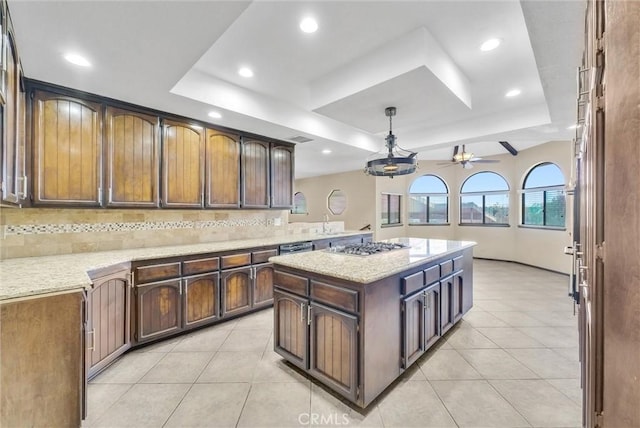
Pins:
<point x="357" y="338"/>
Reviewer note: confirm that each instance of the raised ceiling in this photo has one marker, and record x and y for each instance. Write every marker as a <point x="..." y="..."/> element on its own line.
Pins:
<point x="331" y="86"/>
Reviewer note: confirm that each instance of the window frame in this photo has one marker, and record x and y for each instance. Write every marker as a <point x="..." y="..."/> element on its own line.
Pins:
<point x="428" y="196"/>
<point x="484" y="204"/>
<point x="544" y="190"/>
<point x="388" y="200"/>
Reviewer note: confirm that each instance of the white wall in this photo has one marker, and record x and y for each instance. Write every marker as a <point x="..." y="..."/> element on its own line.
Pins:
<point x="537" y="247"/>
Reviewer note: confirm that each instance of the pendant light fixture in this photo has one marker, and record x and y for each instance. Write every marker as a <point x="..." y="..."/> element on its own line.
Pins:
<point x="394" y="160"/>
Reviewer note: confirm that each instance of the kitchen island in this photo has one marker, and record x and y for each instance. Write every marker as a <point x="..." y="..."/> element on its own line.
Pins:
<point x="356" y="323"/>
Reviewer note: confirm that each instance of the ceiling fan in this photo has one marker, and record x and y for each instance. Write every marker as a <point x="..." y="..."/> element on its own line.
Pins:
<point x="466" y="159"/>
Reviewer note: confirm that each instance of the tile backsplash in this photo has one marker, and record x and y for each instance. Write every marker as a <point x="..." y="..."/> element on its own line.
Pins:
<point x="49" y="231"/>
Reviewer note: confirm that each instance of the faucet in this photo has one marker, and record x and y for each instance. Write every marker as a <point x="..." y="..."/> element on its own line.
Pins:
<point x="325" y="223"/>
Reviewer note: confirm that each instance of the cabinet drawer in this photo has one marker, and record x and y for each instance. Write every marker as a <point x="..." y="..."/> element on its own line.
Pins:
<point x="457" y="263"/>
<point x="432" y="274"/>
<point x="412" y="282"/>
<point x="295" y="284"/>
<point x="192" y="267"/>
<point x="235" y="260"/>
<point x="263" y="255"/>
<point x="446" y="268"/>
<point x="157" y="272"/>
<point x="335" y="296"/>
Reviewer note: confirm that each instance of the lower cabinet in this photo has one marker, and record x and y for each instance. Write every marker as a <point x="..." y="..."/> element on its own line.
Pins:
<point x="159" y="309"/>
<point x="290" y="335"/>
<point x="421" y="322"/>
<point x="451" y="300"/>
<point x="108" y="320"/>
<point x="201" y="299"/>
<point x="236" y="290"/>
<point x="262" y="284"/>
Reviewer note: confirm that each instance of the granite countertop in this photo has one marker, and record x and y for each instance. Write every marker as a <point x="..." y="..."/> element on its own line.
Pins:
<point x="367" y="269"/>
<point x="31" y="276"/>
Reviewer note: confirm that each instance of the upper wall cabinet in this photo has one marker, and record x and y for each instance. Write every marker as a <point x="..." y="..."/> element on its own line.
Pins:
<point x="133" y="166"/>
<point x="255" y="174"/>
<point x="222" y="170"/>
<point x="67" y="141"/>
<point x="182" y="169"/>
<point x="281" y="176"/>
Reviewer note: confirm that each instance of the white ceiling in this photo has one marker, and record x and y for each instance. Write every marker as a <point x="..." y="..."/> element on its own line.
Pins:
<point x="332" y="86"/>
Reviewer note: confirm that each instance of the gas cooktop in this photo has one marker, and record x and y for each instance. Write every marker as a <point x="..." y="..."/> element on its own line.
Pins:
<point x="367" y="249"/>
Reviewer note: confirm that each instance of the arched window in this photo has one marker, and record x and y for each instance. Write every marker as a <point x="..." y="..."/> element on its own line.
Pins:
<point x="299" y="203"/>
<point x="484" y="200"/>
<point x="543" y="199"/>
<point x="428" y="201"/>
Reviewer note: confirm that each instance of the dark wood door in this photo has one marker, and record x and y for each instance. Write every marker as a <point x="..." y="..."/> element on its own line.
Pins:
<point x="182" y="170"/>
<point x="263" y="284"/>
<point x="446" y="304"/>
<point x="67" y="141"/>
<point x="235" y="285"/>
<point x="255" y="174"/>
<point x="413" y="335"/>
<point x="201" y="299"/>
<point x="281" y="176"/>
<point x="133" y="165"/>
<point x="333" y="345"/>
<point x="222" y="166"/>
<point x="290" y="333"/>
<point x="458" y="296"/>
<point x="159" y="309"/>
<point x="431" y="315"/>
<point x="108" y="320"/>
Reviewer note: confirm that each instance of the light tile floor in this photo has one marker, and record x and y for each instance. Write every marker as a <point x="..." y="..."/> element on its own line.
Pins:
<point x="511" y="362"/>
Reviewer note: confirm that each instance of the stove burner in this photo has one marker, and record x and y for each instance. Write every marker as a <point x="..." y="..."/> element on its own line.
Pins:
<point x="367" y="249"/>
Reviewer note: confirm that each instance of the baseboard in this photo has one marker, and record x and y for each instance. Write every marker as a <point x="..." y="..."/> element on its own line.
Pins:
<point x="523" y="264"/>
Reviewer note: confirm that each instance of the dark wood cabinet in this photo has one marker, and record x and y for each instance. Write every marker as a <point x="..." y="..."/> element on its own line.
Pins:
<point x="159" y="309"/>
<point x="201" y="299"/>
<point x="334" y="349"/>
<point x="413" y="314"/>
<point x="255" y="174"/>
<point x="222" y="167"/>
<point x="262" y="284"/>
<point x="132" y="158"/>
<point x="108" y="320"/>
<point x="67" y="144"/>
<point x="281" y="176"/>
<point x="182" y="169"/>
<point x="235" y="285"/>
<point x="446" y="302"/>
<point x="458" y="295"/>
<point x="431" y="315"/>
<point x="290" y="332"/>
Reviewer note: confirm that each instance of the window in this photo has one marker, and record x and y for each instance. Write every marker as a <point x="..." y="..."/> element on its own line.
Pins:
<point x="428" y="201"/>
<point x="543" y="199"/>
<point x="299" y="203"/>
<point x="484" y="200"/>
<point x="390" y="209"/>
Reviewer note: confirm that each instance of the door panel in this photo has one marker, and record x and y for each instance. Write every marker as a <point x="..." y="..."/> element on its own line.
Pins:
<point x="263" y="284"/>
<point x="446" y="304"/>
<point x="432" y="315"/>
<point x="290" y="328"/>
<point x="255" y="173"/>
<point x="281" y="177"/>
<point x="201" y="299"/>
<point x="236" y="290"/>
<point x="159" y="309"/>
<point x="222" y="170"/>
<point x="182" y="169"/>
<point x="414" y="328"/>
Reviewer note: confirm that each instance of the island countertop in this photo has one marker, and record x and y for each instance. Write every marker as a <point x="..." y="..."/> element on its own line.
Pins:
<point x="30" y="276"/>
<point x="367" y="269"/>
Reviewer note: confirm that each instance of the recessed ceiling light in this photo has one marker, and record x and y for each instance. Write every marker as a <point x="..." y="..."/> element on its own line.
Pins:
<point x="490" y="45"/>
<point x="245" y="72"/>
<point x="214" y="114"/>
<point x="326" y="151"/>
<point x="513" y="93"/>
<point x="77" y="60"/>
<point x="309" y="25"/>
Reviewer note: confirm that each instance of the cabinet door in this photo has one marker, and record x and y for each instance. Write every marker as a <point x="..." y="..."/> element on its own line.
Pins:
<point x="458" y="295"/>
<point x="290" y="332"/>
<point x="222" y="166"/>
<point x="431" y="315"/>
<point x="109" y="325"/>
<point x="236" y="290"/>
<point x="182" y="171"/>
<point x="67" y="150"/>
<point x="158" y="309"/>
<point x="201" y="299"/>
<point x="263" y="284"/>
<point x="334" y="349"/>
<point x="281" y="176"/>
<point x="133" y="167"/>
<point x="255" y="174"/>
<point x="413" y="335"/>
<point x="446" y="304"/>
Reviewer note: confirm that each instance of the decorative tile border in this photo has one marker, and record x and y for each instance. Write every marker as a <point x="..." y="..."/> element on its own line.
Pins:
<point x="47" y="229"/>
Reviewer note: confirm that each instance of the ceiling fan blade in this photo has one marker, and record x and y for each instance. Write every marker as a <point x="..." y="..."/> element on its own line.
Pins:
<point x="455" y="152"/>
<point x="508" y="147"/>
<point x="478" y="160"/>
<point x="446" y="163"/>
<point x="467" y="165"/>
